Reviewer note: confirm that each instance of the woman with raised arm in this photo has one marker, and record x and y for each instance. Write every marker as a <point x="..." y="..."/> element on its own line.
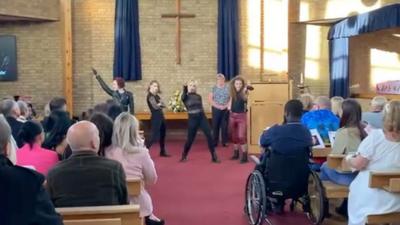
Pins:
<point x="157" y="120"/>
<point x="197" y="119"/>
<point x="118" y="92"/>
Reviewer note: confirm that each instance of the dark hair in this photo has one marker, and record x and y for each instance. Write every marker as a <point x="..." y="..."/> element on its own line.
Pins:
<point x="293" y="109"/>
<point x="60" y="125"/>
<point x="57" y="103"/>
<point x="120" y="82"/>
<point x="101" y="107"/>
<point x="105" y="126"/>
<point x="233" y="93"/>
<point x="29" y="131"/>
<point x="113" y="110"/>
<point x="351" y="116"/>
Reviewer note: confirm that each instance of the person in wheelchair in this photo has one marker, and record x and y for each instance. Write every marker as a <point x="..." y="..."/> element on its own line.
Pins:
<point x="285" y="162"/>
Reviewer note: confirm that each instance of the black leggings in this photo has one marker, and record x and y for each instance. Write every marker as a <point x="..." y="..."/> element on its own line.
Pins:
<point x="195" y="121"/>
<point x="158" y="130"/>
<point x="220" y="123"/>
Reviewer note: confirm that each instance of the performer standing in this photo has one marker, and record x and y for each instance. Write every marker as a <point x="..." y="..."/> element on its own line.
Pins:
<point x="237" y="117"/>
<point x="197" y="118"/>
<point x="219" y="99"/>
<point x="118" y="93"/>
<point x="157" y="119"/>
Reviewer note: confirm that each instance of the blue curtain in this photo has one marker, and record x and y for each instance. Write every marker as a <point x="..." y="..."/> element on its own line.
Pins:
<point x="127" y="61"/>
<point x="339" y="67"/>
<point x="228" y="38"/>
<point x="339" y="34"/>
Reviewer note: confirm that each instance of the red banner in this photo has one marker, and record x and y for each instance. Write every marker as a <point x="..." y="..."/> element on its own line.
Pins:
<point x="388" y="87"/>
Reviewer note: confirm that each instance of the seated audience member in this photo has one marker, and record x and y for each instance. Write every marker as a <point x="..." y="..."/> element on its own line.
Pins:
<point x="374" y="118"/>
<point x="12" y="150"/>
<point x="307" y="101"/>
<point x="321" y="118"/>
<point x="101" y="107"/>
<point x="130" y="151"/>
<point x="86" y="179"/>
<point x="336" y="104"/>
<point x="23" y="198"/>
<point x="32" y="154"/>
<point x="24" y="111"/>
<point x="291" y="136"/>
<point x="347" y="140"/>
<point x="105" y="126"/>
<point x="31" y="111"/>
<point x="9" y="108"/>
<point x="113" y="110"/>
<point x="55" y="137"/>
<point x="379" y="151"/>
<point x="59" y="105"/>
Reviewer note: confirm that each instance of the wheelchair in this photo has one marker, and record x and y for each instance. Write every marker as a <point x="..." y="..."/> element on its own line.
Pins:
<point x="280" y="177"/>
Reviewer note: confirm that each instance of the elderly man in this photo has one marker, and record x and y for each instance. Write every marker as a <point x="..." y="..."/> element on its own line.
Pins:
<point x="23" y="200"/>
<point x="10" y="109"/>
<point x="375" y="117"/>
<point x="321" y="118"/>
<point x="86" y="179"/>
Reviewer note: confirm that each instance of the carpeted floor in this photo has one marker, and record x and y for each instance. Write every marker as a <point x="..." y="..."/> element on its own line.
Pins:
<point x="199" y="192"/>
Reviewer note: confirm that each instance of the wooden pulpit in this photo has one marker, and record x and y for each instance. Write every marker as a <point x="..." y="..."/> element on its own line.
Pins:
<point x="265" y="108"/>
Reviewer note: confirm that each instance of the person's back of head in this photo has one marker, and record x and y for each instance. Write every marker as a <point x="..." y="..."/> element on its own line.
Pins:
<point x="322" y="102"/>
<point x="351" y="116"/>
<point x="307" y="101"/>
<point x="105" y="126"/>
<point x="57" y="125"/>
<point x="58" y="103"/>
<point x="113" y="110"/>
<point x="5" y="136"/>
<point x="126" y="133"/>
<point x="391" y="120"/>
<point x="9" y="108"/>
<point x="31" y="132"/>
<point x="101" y="107"/>
<point x="377" y="103"/>
<point x="23" y="108"/>
<point x="293" y="110"/>
<point x="336" y="105"/>
<point x="82" y="136"/>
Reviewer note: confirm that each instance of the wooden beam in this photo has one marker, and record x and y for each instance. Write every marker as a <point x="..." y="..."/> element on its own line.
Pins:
<point x="66" y="24"/>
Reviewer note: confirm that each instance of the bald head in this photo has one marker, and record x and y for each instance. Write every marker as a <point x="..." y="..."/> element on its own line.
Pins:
<point x="83" y="135"/>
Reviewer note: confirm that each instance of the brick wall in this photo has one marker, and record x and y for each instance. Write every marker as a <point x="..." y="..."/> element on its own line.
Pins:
<point x="42" y="9"/>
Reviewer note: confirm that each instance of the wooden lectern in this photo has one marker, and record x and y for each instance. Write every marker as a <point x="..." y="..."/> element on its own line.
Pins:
<point x="265" y="108"/>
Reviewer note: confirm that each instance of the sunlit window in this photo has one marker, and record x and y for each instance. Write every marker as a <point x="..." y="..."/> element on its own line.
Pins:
<point x="385" y="66"/>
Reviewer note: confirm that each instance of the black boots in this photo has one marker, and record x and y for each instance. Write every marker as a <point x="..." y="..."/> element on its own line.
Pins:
<point x="163" y="153"/>
<point x="214" y="158"/>
<point x="184" y="157"/>
<point x="235" y="154"/>
<point x="244" y="157"/>
<point x="148" y="221"/>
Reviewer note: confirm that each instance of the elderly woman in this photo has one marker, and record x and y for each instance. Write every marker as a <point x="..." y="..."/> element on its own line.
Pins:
<point x="379" y="151"/>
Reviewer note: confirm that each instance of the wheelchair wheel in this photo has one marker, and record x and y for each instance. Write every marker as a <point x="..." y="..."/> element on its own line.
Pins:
<point x="314" y="205"/>
<point x="255" y="202"/>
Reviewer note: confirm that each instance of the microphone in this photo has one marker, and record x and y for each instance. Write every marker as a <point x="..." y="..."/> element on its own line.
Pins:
<point x="249" y="87"/>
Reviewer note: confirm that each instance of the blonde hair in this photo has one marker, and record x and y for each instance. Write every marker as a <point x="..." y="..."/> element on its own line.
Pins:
<point x="378" y="102"/>
<point x="307" y="101"/>
<point x="336" y="105"/>
<point x="126" y="133"/>
<point x="391" y="117"/>
<point x="192" y="82"/>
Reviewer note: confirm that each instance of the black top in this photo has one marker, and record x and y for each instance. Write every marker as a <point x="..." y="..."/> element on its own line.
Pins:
<point x="192" y="101"/>
<point x="23" y="200"/>
<point x="238" y="105"/>
<point x="103" y="180"/>
<point x="125" y="99"/>
<point x="153" y="101"/>
<point x="15" y="126"/>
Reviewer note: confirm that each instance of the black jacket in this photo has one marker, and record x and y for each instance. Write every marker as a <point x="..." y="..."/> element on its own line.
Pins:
<point x="15" y="128"/>
<point x="23" y="200"/>
<point x="86" y="179"/>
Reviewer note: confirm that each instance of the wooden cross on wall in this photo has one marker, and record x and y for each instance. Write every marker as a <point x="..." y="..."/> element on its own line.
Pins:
<point x="178" y="15"/>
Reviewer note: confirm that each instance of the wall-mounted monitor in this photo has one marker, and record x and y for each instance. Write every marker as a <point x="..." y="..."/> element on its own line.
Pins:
<point x="8" y="58"/>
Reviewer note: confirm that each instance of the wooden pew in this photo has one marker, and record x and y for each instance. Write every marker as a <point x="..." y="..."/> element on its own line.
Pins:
<point x="133" y="185"/>
<point x="101" y="215"/>
<point x="321" y="152"/>
<point x="333" y="190"/>
<point x="389" y="181"/>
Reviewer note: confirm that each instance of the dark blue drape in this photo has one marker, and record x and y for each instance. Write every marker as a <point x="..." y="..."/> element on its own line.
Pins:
<point x="127" y="61"/>
<point x="228" y="38"/>
<point x="339" y="34"/>
<point x="339" y="67"/>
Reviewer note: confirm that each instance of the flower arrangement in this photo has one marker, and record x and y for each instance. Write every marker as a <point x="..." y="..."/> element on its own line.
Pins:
<point x="175" y="103"/>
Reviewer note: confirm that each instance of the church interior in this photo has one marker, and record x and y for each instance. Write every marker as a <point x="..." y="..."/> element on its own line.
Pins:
<point x="147" y="88"/>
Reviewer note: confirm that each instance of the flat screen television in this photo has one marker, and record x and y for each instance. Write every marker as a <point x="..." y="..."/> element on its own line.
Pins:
<point x="8" y="58"/>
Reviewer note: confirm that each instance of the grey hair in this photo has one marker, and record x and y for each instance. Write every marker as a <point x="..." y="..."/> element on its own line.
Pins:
<point x="126" y="133"/>
<point x="23" y="107"/>
<point x="5" y="134"/>
<point x="7" y="106"/>
<point x="379" y="102"/>
<point x="323" y="102"/>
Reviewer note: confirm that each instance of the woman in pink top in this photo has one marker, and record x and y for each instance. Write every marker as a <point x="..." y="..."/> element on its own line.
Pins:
<point x="128" y="148"/>
<point x="31" y="153"/>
